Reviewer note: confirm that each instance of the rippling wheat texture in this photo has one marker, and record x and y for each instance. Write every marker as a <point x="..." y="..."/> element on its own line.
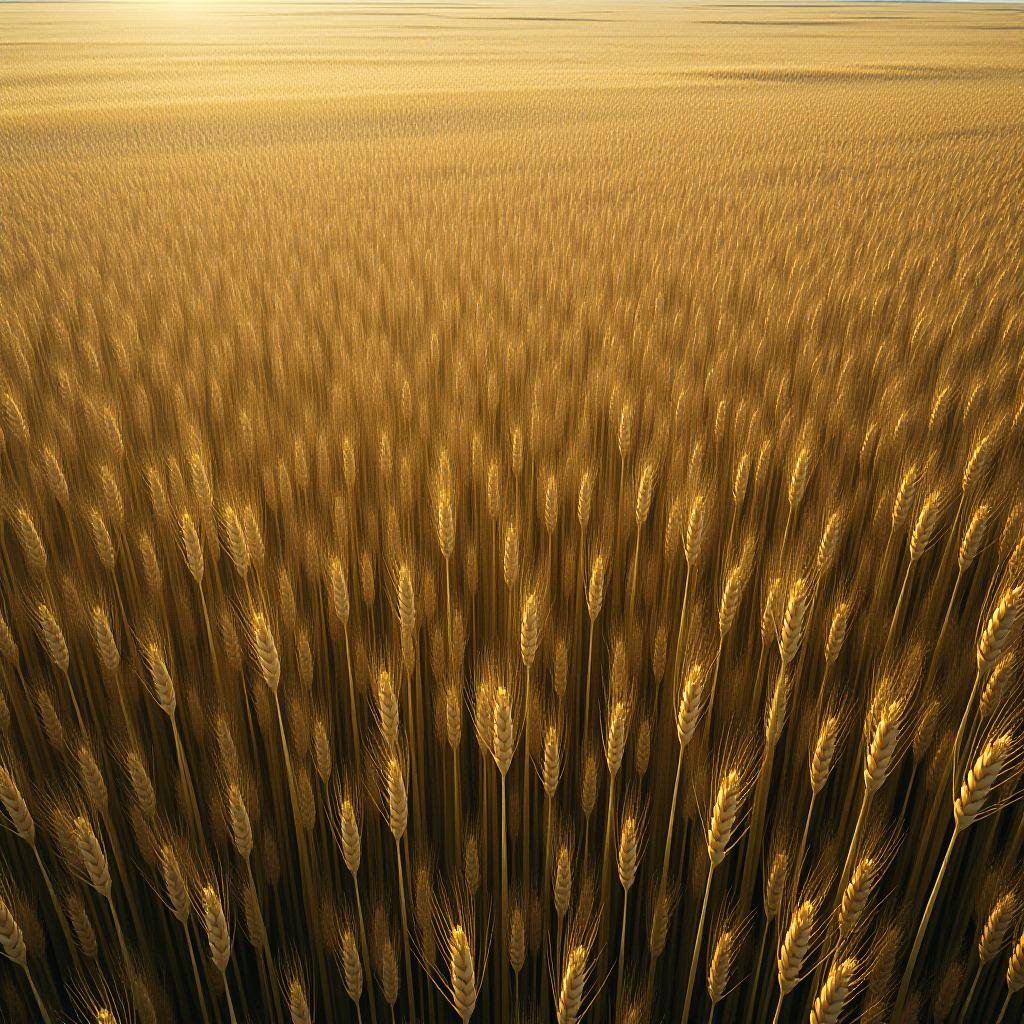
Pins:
<point x="511" y="513"/>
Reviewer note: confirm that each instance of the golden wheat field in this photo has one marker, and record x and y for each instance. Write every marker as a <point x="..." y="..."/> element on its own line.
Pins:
<point x="511" y="512"/>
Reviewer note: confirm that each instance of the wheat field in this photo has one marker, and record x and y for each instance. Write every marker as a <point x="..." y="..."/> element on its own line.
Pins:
<point x="511" y="512"/>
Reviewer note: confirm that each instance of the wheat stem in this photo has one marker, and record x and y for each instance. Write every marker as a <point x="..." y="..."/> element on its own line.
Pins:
<point x="590" y="660"/>
<point x="405" y="927"/>
<point x="1003" y="1008"/>
<point x="696" y="948"/>
<point x="714" y="684"/>
<point x="636" y="573"/>
<point x="965" y="1003"/>
<point x="802" y="849"/>
<point x="57" y="908"/>
<point x="354" y="718"/>
<point x="755" y="978"/>
<point x="367" y="973"/>
<point x="622" y="954"/>
<point x="851" y="851"/>
<point x="457" y="805"/>
<point x="934" y="662"/>
<point x="503" y="959"/>
<point x="897" y="610"/>
<point x="525" y="830"/>
<point x="117" y="928"/>
<point x="186" y="777"/>
<point x="681" y="632"/>
<point x="606" y="854"/>
<point x="955" y="754"/>
<point x="195" y="973"/>
<point x="666" y="858"/>
<point x="908" y="971"/>
<point x="43" y="1012"/>
<point x="755" y="832"/>
<point x="231" y="1004"/>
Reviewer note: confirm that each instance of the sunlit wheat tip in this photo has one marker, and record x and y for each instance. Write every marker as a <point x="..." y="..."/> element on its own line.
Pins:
<point x="1015" y="967"/>
<point x="980" y="780"/>
<point x="794" y="947"/>
<point x="996" y="633"/>
<point x="996" y="926"/>
<point x="218" y="937"/>
<point x="570" y="995"/>
<point x="11" y="938"/>
<point x="831" y="1000"/>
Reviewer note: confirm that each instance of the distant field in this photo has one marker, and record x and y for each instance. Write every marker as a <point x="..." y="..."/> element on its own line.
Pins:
<point x="328" y="127"/>
<point x="511" y="512"/>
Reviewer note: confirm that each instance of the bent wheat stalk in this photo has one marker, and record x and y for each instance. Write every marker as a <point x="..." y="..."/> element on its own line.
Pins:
<point x="968" y="806"/>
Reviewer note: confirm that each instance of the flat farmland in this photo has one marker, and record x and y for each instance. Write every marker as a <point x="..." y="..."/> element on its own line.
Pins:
<point x="511" y="512"/>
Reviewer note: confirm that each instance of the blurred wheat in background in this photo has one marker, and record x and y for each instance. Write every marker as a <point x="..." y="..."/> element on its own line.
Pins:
<point x="511" y="514"/>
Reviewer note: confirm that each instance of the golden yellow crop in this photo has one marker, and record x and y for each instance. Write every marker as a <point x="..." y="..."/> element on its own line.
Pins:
<point x="511" y="513"/>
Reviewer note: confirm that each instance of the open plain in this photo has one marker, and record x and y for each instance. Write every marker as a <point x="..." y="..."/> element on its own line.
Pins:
<point x="511" y="512"/>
